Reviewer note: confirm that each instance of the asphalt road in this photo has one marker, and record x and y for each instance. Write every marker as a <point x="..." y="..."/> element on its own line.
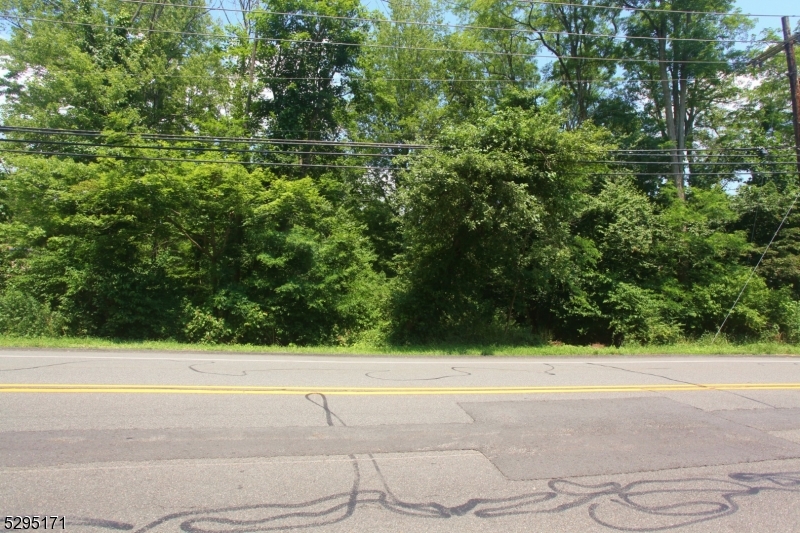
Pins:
<point x="210" y="443"/>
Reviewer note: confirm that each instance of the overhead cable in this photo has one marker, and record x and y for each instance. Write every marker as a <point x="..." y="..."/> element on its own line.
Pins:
<point x="601" y="81"/>
<point x="192" y="149"/>
<point x="753" y="271"/>
<point x="652" y="10"/>
<point x="210" y="138"/>
<point x="73" y="144"/>
<point x="320" y="165"/>
<point x="434" y="24"/>
<point x="371" y="45"/>
<point x="180" y="160"/>
<point x="255" y="140"/>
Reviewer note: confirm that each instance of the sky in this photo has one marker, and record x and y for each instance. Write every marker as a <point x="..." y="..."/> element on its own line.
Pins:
<point x="770" y="7"/>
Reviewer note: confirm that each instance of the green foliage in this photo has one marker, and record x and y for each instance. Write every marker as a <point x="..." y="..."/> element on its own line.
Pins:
<point x="516" y="226"/>
<point x="486" y="222"/>
<point x="309" y="263"/>
<point x="24" y="316"/>
<point x="212" y="253"/>
<point x="82" y="74"/>
<point x="408" y="109"/>
<point x="640" y="316"/>
<point x="298" y="94"/>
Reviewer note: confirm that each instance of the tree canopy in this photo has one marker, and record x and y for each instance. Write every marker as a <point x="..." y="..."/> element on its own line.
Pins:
<point x="322" y="172"/>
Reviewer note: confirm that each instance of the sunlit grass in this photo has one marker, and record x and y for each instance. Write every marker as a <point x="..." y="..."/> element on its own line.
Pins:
<point x="684" y="348"/>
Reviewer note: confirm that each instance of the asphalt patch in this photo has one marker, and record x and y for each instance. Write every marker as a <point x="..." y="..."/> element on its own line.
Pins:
<point x="565" y="438"/>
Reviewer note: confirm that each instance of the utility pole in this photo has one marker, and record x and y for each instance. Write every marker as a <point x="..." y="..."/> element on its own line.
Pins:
<point x="787" y="46"/>
<point x="788" y="42"/>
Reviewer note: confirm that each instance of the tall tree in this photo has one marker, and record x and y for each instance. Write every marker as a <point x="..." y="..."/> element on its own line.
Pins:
<point x="580" y="38"/>
<point x="305" y="51"/>
<point x="80" y="63"/>
<point x="486" y="220"/>
<point x="576" y="36"/>
<point x="506" y="53"/>
<point x="398" y="89"/>
<point x="684" y="64"/>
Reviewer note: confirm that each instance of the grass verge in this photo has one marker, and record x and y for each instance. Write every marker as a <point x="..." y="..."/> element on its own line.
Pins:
<point x="687" y="348"/>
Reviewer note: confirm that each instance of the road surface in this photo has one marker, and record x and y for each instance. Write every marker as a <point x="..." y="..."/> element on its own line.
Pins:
<point x="232" y="443"/>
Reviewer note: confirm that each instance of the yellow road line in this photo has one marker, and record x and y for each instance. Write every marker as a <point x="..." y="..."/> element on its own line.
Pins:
<point x="374" y="391"/>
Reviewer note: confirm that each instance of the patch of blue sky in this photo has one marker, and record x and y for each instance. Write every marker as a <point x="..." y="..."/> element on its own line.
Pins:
<point x="776" y="8"/>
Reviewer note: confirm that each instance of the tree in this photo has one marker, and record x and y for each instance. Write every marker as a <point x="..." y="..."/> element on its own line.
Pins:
<point x="486" y="221"/>
<point x="115" y="65"/>
<point x="684" y="67"/>
<point x="304" y="53"/>
<point x="399" y="86"/>
<point x="582" y="40"/>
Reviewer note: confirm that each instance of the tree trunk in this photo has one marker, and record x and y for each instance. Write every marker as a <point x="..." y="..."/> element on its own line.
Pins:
<point x="670" y="110"/>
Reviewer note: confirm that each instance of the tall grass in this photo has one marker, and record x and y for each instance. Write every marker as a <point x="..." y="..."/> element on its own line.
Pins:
<point x="701" y="347"/>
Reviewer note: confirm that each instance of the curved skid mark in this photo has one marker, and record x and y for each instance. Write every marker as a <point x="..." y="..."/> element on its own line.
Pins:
<point x="41" y="366"/>
<point x="782" y="479"/>
<point x="329" y="415"/>
<point x="680" y="381"/>
<point x="349" y="507"/>
<point x="192" y="367"/>
<point x="245" y="372"/>
<point x="701" y="500"/>
<point x="461" y="373"/>
<point x="515" y="370"/>
<point x="104" y="524"/>
<point x="284" y="506"/>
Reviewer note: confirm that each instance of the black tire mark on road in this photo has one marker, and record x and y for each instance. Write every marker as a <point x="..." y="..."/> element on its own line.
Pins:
<point x="702" y="499"/>
<point x="349" y="507"/>
<point x="103" y="524"/>
<point x="517" y="370"/>
<point x="192" y="367"/>
<point x="245" y="372"/>
<point x="682" y="382"/>
<point x="460" y="374"/>
<point x="329" y="415"/>
<point x="40" y="366"/>
<point x="603" y="502"/>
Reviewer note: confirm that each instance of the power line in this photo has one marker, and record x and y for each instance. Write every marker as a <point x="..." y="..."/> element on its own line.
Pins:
<point x="316" y="165"/>
<point x="652" y="10"/>
<point x="598" y="81"/>
<point x="608" y="81"/>
<point x="179" y="160"/>
<point x="172" y="138"/>
<point x="372" y="45"/>
<point x="672" y="173"/>
<point x="701" y="163"/>
<point x="672" y="150"/>
<point x="346" y="144"/>
<point x="211" y="138"/>
<point x="73" y="144"/>
<point x="192" y="149"/>
<point x="255" y="140"/>
<point x="436" y="24"/>
<point x="752" y="272"/>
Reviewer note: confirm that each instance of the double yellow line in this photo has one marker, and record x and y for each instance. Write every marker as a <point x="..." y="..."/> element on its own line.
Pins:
<point x="378" y="391"/>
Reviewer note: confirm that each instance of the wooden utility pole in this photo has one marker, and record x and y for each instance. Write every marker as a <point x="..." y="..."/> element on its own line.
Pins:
<point x="788" y="42"/>
<point x="787" y="46"/>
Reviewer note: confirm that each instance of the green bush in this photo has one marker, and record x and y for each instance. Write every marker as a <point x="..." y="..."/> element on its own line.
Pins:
<point x="23" y="316"/>
<point x="791" y="320"/>
<point x="640" y="316"/>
